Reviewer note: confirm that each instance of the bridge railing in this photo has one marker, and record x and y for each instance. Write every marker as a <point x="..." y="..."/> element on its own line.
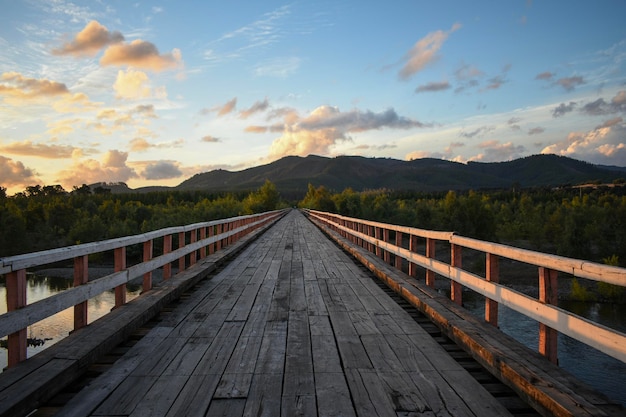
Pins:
<point x="396" y="244"/>
<point x="192" y="242"/>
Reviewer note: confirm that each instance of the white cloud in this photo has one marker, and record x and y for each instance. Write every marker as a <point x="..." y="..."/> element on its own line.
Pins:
<point x="424" y="52"/>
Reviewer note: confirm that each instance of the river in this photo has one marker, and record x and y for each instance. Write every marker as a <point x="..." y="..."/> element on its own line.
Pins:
<point x="602" y="372"/>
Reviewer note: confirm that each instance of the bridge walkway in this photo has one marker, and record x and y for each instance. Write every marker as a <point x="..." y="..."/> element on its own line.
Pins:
<point x="292" y="327"/>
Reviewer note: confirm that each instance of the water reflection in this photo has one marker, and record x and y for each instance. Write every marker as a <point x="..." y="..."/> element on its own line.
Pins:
<point x="49" y="331"/>
<point x="603" y="372"/>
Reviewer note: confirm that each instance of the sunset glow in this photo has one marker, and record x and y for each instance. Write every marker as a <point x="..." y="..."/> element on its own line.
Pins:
<point x="151" y="93"/>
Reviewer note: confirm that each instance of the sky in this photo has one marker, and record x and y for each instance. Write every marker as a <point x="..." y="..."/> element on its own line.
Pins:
<point x="151" y="93"/>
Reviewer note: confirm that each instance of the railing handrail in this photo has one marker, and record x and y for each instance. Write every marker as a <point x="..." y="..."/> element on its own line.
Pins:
<point x="603" y="338"/>
<point x="576" y="267"/>
<point x="213" y="235"/>
<point x="34" y="259"/>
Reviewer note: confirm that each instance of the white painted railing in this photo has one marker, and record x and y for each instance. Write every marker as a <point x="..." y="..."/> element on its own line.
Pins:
<point x="375" y="237"/>
<point x="195" y="241"/>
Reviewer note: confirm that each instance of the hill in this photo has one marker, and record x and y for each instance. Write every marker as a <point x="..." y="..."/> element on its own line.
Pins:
<point x="292" y="174"/>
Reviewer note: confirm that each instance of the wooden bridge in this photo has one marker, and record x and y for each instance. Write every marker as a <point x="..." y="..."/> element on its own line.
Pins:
<point x="293" y="325"/>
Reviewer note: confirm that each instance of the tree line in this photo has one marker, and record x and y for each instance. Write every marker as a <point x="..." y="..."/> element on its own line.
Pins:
<point x="46" y="217"/>
<point x="584" y="223"/>
<point x="580" y="223"/>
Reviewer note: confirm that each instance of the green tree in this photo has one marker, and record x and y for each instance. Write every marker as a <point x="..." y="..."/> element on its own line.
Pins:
<point x="264" y="199"/>
<point x="318" y="199"/>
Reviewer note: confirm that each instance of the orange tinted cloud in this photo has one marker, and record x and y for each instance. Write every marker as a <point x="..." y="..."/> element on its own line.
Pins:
<point x="90" y="40"/>
<point x="13" y="173"/>
<point x="131" y="84"/>
<point x="141" y="54"/>
<point x="227" y="108"/>
<point x="28" y="148"/>
<point x="326" y="125"/>
<point x="424" y="52"/>
<point x="112" y="168"/>
<point x="16" y="88"/>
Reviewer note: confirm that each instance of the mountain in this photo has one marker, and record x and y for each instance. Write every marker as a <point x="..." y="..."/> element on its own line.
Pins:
<point x="292" y="174"/>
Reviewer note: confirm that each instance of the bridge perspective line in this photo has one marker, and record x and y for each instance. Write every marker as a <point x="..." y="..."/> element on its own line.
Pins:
<point x="291" y="326"/>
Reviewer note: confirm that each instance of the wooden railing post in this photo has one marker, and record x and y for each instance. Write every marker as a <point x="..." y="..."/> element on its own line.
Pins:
<point x="548" y="293"/>
<point x="81" y="276"/>
<point x="193" y="239"/>
<point x="398" y="261"/>
<point x="16" y="299"/>
<point x="167" y="248"/>
<point x="211" y="234"/>
<point x="430" y="253"/>
<point x="412" y="248"/>
<point x="119" y="255"/>
<point x="218" y="245"/>
<point x="148" y="248"/>
<point x="456" y="260"/>
<point x="181" y="244"/>
<point x="378" y="236"/>
<point x="386" y="254"/>
<point x="492" y="274"/>
<point x="202" y="237"/>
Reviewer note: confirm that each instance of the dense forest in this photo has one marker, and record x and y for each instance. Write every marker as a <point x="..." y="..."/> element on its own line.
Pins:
<point x="586" y="223"/>
<point x="48" y="217"/>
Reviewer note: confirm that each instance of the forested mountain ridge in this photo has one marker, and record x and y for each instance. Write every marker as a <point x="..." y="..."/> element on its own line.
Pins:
<point x="293" y="174"/>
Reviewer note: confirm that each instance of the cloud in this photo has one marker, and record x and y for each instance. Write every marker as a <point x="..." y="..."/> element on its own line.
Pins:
<point x="601" y="107"/>
<point x="424" y="52"/>
<point x="619" y="99"/>
<point x="563" y="109"/>
<point x="513" y="123"/>
<point x="146" y="110"/>
<point x="161" y="170"/>
<point x="210" y="139"/>
<point x="496" y="82"/>
<point x="249" y="38"/>
<point x="433" y="86"/>
<point x="570" y="83"/>
<point x="467" y="77"/>
<point x="605" y="144"/>
<point x="132" y="84"/>
<point x="41" y="150"/>
<point x="140" y="144"/>
<point x="112" y="168"/>
<point x="326" y="125"/>
<point x="226" y="108"/>
<point x="545" y="76"/>
<point x="494" y="151"/>
<point x="90" y="40"/>
<point x="141" y="54"/>
<point x="355" y="120"/>
<point x="279" y="67"/>
<point x="75" y="103"/>
<point x="14" y="173"/>
<point x="259" y="106"/>
<point x="17" y="88"/>
<point x="477" y="132"/>
<point x="536" y="131"/>
<point x="256" y="129"/>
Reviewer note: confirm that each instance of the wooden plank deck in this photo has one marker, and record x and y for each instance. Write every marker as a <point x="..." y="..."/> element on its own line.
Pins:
<point x="291" y="327"/>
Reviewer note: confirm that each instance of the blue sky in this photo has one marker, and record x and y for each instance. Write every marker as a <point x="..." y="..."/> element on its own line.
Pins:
<point x="151" y="93"/>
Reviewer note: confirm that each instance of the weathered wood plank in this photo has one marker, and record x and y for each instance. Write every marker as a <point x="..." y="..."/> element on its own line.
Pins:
<point x="226" y="407"/>
<point x="265" y="395"/>
<point x="195" y="397"/>
<point x="333" y="395"/>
